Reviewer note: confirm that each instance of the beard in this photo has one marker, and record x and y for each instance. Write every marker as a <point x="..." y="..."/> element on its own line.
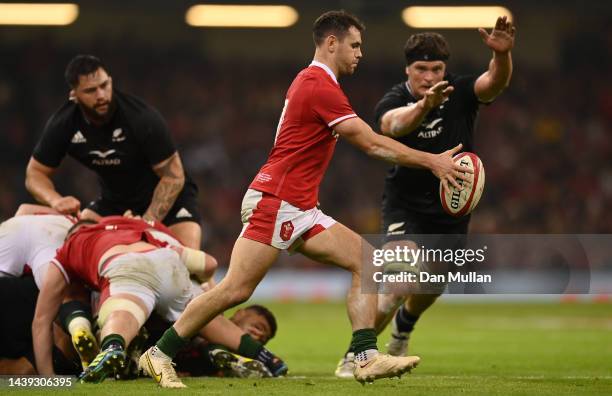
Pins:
<point x="94" y="116"/>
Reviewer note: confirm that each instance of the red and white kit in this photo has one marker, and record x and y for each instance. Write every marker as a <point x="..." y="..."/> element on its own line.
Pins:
<point x="158" y="277"/>
<point x="31" y="240"/>
<point x="279" y="209"/>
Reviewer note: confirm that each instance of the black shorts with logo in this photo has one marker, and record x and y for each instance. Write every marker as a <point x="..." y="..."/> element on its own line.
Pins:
<point x="185" y="207"/>
<point x="402" y="224"/>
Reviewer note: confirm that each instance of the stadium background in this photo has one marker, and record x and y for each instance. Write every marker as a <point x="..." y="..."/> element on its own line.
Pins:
<point x="546" y="142"/>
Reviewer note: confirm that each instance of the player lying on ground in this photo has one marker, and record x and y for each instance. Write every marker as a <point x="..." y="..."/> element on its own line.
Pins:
<point x="280" y="212"/>
<point x="203" y="358"/>
<point x="433" y="110"/>
<point x="135" y="273"/>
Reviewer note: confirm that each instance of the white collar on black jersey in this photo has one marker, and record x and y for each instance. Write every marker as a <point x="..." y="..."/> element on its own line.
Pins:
<point x="326" y="68"/>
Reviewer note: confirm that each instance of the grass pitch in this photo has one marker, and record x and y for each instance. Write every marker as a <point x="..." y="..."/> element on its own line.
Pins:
<point x="472" y="349"/>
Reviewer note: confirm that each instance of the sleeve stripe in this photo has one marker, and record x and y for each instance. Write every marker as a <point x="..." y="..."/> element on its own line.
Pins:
<point x="340" y="119"/>
<point x="62" y="270"/>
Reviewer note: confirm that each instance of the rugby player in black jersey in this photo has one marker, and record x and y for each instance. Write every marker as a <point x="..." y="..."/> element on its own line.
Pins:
<point x="126" y="143"/>
<point x="431" y="111"/>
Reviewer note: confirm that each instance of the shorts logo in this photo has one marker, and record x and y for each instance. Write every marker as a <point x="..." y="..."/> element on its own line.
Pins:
<point x="286" y="230"/>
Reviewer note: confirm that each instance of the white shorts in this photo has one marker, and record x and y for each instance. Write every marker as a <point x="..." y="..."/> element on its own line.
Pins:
<point x="157" y="277"/>
<point x="270" y="220"/>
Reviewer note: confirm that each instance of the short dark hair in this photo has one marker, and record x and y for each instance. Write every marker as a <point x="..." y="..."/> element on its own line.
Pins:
<point x="267" y="314"/>
<point x="78" y="225"/>
<point x="426" y="46"/>
<point x="334" y="22"/>
<point x="81" y="65"/>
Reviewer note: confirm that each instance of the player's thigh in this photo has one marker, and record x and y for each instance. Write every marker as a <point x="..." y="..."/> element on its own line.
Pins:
<point x="189" y="233"/>
<point x="249" y="263"/>
<point x="338" y="245"/>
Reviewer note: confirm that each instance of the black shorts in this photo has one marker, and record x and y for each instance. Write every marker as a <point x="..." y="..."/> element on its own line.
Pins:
<point x="185" y="207"/>
<point x="400" y="224"/>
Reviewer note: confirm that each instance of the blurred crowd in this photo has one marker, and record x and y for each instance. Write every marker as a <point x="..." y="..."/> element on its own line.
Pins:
<point x="546" y="143"/>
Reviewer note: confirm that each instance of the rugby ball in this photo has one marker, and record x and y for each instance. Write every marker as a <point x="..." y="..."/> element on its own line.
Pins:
<point x="461" y="202"/>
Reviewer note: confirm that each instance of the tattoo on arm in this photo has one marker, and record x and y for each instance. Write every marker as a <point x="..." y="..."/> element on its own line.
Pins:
<point x="172" y="179"/>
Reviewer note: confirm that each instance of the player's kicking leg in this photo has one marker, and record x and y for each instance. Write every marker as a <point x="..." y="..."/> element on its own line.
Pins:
<point x="342" y="247"/>
<point x="249" y="263"/>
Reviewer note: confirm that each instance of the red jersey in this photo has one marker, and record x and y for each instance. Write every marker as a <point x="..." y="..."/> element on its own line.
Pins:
<point x="305" y="139"/>
<point x="79" y="256"/>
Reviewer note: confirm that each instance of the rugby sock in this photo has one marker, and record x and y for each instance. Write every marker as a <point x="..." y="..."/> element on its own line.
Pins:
<point x="404" y="320"/>
<point x="79" y="323"/>
<point x="363" y="344"/>
<point x="75" y="310"/>
<point x="171" y="343"/>
<point x="249" y="347"/>
<point x="113" y="340"/>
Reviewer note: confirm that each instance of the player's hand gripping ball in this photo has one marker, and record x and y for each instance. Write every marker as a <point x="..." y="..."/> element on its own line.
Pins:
<point x="461" y="202"/>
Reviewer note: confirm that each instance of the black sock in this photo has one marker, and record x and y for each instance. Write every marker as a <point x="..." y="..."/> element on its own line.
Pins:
<point x="113" y="340"/>
<point x="405" y="321"/>
<point x="71" y="310"/>
<point x="363" y="340"/>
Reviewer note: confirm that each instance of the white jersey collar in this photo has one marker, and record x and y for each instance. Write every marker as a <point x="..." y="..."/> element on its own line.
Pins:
<point x="326" y="68"/>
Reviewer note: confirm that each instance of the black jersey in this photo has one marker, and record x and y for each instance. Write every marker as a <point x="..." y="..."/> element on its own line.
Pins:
<point x="444" y="127"/>
<point x="121" y="152"/>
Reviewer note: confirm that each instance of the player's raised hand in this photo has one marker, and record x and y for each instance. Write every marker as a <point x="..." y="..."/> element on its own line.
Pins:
<point x="501" y="38"/>
<point x="66" y="205"/>
<point x="445" y="168"/>
<point x="437" y="94"/>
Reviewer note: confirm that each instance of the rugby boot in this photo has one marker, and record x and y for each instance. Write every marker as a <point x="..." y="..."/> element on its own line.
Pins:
<point x="239" y="366"/>
<point x="160" y="368"/>
<point x="384" y="366"/>
<point x="106" y="364"/>
<point x="85" y="344"/>
<point x="346" y="366"/>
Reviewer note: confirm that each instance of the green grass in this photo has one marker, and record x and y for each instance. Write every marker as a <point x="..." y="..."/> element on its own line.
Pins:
<point x="475" y="349"/>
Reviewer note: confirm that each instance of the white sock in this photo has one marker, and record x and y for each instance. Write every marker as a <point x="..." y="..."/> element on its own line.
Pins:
<point x="79" y="323"/>
<point x="366" y="355"/>
<point x="156" y="352"/>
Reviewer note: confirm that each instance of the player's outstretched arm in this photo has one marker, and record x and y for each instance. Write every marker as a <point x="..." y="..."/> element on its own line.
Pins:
<point x="403" y="120"/>
<point x="47" y="306"/>
<point x="501" y="41"/>
<point x="359" y="134"/>
<point x="172" y="179"/>
<point x="38" y="182"/>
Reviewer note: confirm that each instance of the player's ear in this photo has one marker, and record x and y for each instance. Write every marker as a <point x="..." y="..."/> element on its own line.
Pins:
<point x="72" y="96"/>
<point x="332" y="42"/>
<point x="407" y="71"/>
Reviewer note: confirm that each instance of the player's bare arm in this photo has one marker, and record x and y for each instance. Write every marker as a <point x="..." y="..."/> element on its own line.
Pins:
<point x="403" y="120"/>
<point x="47" y="306"/>
<point x="172" y="179"/>
<point x="501" y="41"/>
<point x="359" y="133"/>
<point x="38" y="182"/>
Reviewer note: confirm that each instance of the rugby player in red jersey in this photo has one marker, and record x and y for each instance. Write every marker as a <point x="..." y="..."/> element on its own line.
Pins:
<point x="279" y="210"/>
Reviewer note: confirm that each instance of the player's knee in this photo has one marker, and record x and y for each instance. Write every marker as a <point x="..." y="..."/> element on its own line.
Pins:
<point x="240" y="295"/>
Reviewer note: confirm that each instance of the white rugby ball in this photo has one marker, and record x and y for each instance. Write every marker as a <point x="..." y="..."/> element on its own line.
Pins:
<point x="461" y="202"/>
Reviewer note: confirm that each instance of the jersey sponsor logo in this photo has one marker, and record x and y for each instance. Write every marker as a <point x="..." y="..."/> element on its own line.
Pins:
<point x="102" y="160"/>
<point x="182" y="213"/>
<point x="286" y="230"/>
<point x="78" y="138"/>
<point x="429" y="132"/>
<point x="102" y="154"/>
<point x="396" y="229"/>
<point x="263" y="177"/>
<point x="118" y="135"/>
<point x="432" y="124"/>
